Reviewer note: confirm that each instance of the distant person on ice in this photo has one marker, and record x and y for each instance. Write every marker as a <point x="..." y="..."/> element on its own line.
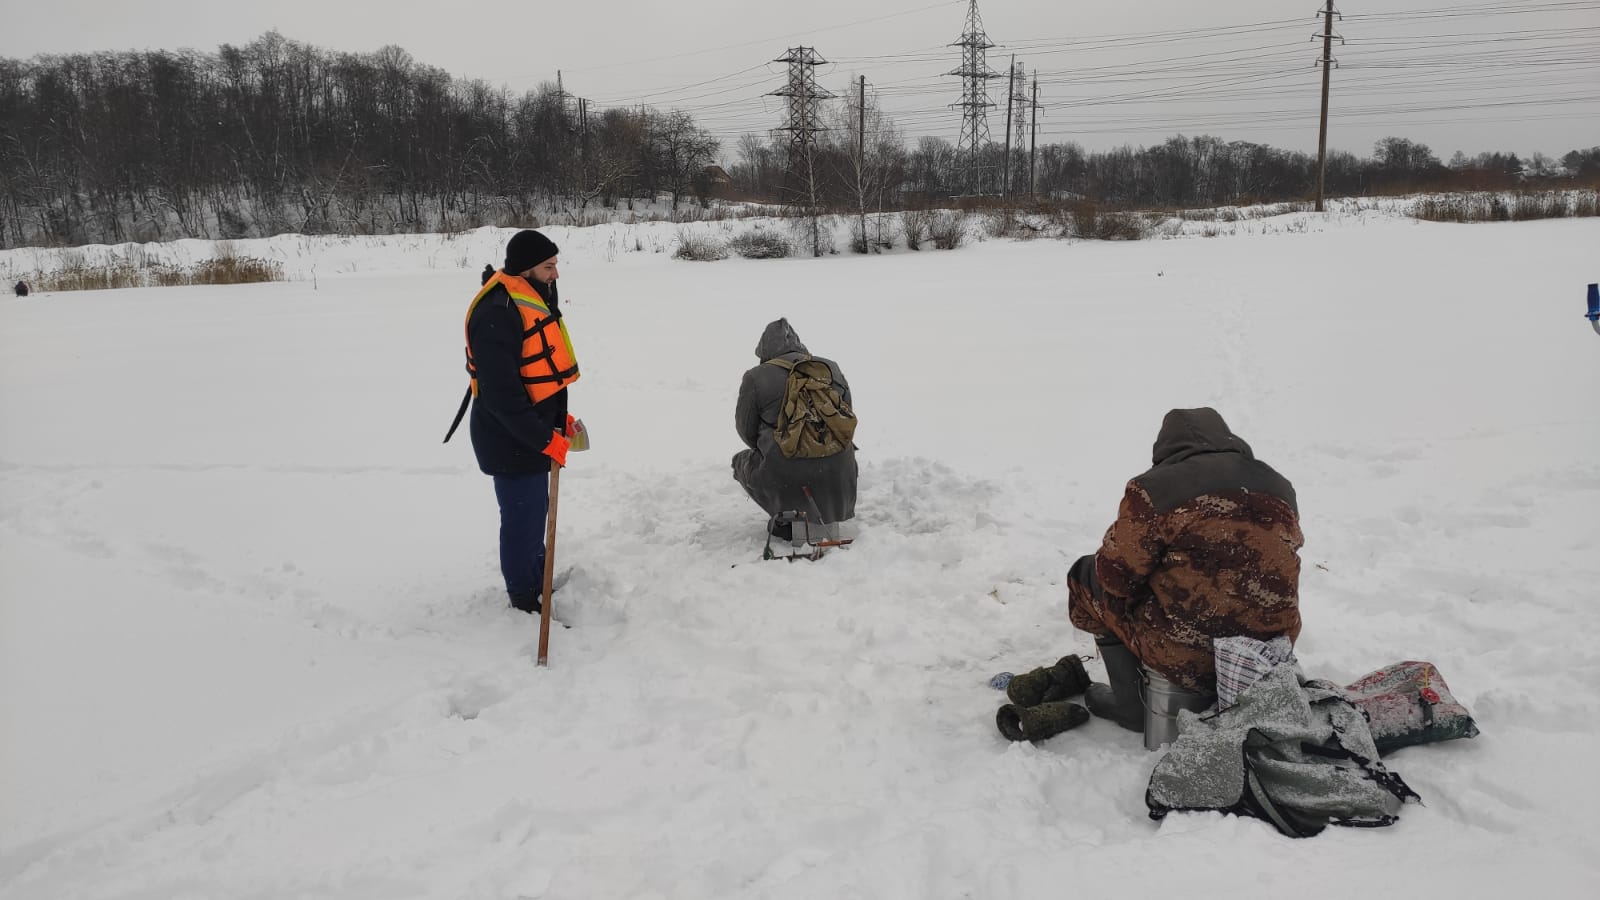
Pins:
<point x="20" y="289"/>
<point x="776" y="477"/>
<point x="521" y="361"/>
<point x="1205" y="545"/>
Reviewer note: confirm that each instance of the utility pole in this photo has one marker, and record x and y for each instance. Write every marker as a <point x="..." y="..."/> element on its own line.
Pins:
<point x="1033" y="138"/>
<point x="802" y="93"/>
<point x="575" y="113"/>
<point x="861" y="161"/>
<point x="583" y="132"/>
<point x="974" y="105"/>
<point x="1322" y="131"/>
<point x="1011" y="103"/>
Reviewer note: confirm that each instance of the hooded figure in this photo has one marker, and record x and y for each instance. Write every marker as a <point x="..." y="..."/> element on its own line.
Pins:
<point x="774" y="481"/>
<point x="1205" y="545"/>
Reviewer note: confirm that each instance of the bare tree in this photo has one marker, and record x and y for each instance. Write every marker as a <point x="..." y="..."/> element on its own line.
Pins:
<point x="865" y="151"/>
<point x="682" y="150"/>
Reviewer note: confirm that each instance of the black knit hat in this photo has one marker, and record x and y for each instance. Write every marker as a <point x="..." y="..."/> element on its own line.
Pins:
<point x="527" y="249"/>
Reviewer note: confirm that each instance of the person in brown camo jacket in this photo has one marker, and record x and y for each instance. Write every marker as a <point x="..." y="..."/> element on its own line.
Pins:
<point x="1205" y="545"/>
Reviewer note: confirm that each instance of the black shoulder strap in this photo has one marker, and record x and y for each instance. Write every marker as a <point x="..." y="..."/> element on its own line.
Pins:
<point x="496" y="293"/>
<point x="1289" y="823"/>
<point x="466" y="399"/>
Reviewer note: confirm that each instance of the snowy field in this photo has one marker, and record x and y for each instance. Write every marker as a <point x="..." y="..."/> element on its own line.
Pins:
<point x="253" y="642"/>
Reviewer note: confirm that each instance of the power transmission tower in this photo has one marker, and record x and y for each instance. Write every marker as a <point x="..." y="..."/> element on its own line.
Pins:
<point x="802" y="95"/>
<point x="975" y="74"/>
<point x="1327" y="62"/>
<point x="1019" y="98"/>
<point x="1019" y="130"/>
<point x="1033" y="138"/>
<point x="1010" y="108"/>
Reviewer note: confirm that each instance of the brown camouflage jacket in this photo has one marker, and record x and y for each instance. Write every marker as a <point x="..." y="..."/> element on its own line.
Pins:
<point x="1205" y="545"/>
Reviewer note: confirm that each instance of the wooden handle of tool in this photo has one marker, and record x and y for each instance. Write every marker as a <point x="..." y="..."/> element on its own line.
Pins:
<point x="549" y="564"/>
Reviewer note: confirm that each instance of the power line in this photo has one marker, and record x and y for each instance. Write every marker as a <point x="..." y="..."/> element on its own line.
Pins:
<point x="1400" y="57"/>
<point x="771" y="40"/>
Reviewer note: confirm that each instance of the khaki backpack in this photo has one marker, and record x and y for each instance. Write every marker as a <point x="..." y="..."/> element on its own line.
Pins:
<point x="814" y="422"/>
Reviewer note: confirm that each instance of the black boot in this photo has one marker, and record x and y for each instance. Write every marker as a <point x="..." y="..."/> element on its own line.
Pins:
<point x="528" y="602"/>
<point x="1035" y="723"/>
<point x="1122" y="700"/>
<point x="1048" y="684"/>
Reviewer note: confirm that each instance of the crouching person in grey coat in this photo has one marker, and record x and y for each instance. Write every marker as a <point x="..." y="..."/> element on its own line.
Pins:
<point x="774" y="481"/>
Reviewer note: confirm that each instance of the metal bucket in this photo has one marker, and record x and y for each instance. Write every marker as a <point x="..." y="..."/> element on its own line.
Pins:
<point x="1162" y="701"/>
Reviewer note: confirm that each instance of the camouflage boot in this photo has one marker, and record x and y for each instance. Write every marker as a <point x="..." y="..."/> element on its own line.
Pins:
<point x="1035" y="723"/>
<point x="1121" y="701"/>
<point x="1048" y="684"/>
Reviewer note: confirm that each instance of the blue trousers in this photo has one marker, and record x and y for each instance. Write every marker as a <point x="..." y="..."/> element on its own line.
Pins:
<point x="524" y="500"/>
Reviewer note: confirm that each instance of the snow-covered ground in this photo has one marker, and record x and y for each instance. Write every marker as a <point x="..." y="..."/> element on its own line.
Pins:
<point x="253" y="643"/>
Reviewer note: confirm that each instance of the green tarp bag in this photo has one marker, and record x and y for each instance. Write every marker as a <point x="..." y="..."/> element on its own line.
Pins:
<point x="814" y="422"/>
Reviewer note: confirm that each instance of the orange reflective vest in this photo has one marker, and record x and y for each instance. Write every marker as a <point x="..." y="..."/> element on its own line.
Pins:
<point x="548" y="364"/>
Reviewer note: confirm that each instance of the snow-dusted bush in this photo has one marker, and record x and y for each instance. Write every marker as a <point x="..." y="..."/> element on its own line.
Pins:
<point x="699" y="247"/>
<point x="760" y="244"/>
<point x="1087" y="221"/>
<point x="1502" y="207"/>
<point x="1241" y="213"/>
<point x="916" y="222"/>
<point x="813" y="234"/>
<point x="135" y="270"/>
<point x="948" y="228"/>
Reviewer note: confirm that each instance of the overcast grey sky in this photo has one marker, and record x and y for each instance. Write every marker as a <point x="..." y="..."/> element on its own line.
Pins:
<point x="1472" y="75"/>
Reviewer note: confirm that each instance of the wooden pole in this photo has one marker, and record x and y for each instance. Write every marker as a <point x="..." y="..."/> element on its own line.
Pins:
<point x="549" y="564"/>
<point x="1322" y="128"/>
<point x="861" y="164"/>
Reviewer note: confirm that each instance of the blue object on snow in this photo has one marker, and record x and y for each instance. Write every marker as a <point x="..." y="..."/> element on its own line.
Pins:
<point x="1593" y="314"/>
<point x="1000" y="681"/>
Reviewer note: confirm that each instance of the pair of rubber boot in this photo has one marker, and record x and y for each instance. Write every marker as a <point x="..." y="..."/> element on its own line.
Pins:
<point x="1039" y="706"/>
<point x="1122" y="700"/>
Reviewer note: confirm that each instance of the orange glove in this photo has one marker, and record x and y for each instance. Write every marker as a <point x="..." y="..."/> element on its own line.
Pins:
<point x="572" y="426"/>
<point x="577" y="435"/>
<point x="557" y="448"/>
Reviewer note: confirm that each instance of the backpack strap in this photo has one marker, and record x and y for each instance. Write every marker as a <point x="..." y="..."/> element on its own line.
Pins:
<point x="465" y="400"/>
<point x="789" y="366"/>
<point x="1257" y="801"/>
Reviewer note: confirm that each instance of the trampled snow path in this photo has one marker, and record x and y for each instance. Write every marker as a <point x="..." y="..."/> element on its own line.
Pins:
<point x="251" y="642"/>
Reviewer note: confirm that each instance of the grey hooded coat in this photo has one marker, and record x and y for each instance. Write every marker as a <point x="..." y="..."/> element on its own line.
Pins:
<point x="775" y="482"/>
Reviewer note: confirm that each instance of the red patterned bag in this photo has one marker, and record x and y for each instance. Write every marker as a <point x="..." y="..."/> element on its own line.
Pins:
<point x="1408" y="703"/>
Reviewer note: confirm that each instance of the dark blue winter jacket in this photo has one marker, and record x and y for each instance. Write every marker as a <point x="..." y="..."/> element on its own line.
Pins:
<point x="509" y="430"/>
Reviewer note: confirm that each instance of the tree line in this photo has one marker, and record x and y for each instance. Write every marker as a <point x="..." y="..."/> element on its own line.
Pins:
<point x="278" y="136"/>
<point x="1180" y="172"/>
